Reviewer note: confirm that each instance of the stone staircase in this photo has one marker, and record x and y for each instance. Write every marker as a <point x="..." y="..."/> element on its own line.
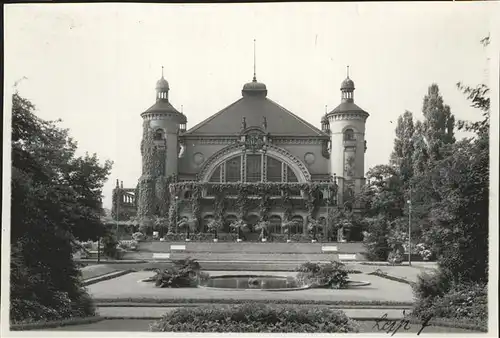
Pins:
<point x="249" y="256"/>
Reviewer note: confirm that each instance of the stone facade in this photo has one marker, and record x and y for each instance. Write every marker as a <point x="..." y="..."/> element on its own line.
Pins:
<point x="252" y="141"/>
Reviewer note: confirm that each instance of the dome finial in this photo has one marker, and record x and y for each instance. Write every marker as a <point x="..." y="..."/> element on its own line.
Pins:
<point x="254" y="63"/>
<point x="162" y="71"/>
<point x="348" y="71"/>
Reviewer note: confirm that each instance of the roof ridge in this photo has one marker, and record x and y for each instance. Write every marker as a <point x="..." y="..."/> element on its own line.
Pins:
<point x="210" y="118"/>
<point x="313" y="128"/>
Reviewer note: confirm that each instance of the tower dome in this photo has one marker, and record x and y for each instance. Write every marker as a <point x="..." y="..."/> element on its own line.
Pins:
<point x="347" y="84"/>
<point x="254" y="88"/>
<point x="162" y="84"/>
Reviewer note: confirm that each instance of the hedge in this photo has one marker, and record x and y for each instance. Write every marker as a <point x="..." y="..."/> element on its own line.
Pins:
<point x="53" y="324"/>
<point x="252" y="317"/>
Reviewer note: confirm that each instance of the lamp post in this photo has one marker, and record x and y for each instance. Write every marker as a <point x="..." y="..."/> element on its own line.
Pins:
<point x="118" y="200"/>
<point x="409" y="229"/>
<point x="328" y="208"/>
<point x="176" y="213"/>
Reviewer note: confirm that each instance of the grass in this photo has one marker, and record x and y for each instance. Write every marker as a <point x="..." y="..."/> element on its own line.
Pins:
<point x="106" y="277"/>
<point x="382" y="274"/>
<point x="241" y="301"/>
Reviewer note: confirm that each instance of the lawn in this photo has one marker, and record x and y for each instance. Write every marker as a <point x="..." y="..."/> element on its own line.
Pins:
<point x="129" y="286"/>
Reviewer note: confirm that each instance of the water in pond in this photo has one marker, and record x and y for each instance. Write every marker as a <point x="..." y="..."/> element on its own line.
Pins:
<point x="251" y="282"/>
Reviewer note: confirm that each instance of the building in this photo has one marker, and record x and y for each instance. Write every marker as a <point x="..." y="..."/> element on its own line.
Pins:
<point x="252" y="160"/>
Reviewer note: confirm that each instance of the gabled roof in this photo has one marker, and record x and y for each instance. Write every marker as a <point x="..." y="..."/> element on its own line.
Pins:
<point x="280" y="121"/>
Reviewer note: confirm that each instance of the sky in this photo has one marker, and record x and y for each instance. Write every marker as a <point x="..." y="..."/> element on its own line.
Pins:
<point x="95" y="65"/>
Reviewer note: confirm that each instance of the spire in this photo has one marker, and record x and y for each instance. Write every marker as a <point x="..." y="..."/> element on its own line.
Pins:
<point x="326" y="109"/>
<point x="254" y="63"/>
<point x="162" y="72"/>
<point x="348" y="71"/>
<point x="254" y="88"/>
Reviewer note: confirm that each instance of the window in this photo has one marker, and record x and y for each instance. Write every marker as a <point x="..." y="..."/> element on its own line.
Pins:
<point x="254" y="168"/>
<point x="158" y="135"/>
<point x="233" y="169"/>
<point x="291" y="176"/>
<point x="215" y="176"/>
<point x="273" y="170"/>
<point x="349" y="135"/>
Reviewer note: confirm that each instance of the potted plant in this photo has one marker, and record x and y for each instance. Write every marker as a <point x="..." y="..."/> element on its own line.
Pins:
<point x="238" y="226"/>
<point x="188" y="224"/>
<point x="263" y="226"/>
<point x="313" y="226"/>
<point x="214" y="226"/>
<point x="287" y="226"/>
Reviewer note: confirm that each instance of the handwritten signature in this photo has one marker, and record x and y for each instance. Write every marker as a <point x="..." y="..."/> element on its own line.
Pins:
<point x="390" y="325"/>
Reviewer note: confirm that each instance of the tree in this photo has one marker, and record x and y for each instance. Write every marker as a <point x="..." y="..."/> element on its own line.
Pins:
<point x="288" y="226"/>
<point x="54" y="196"/>
<point x="215" y="226"/>
<point x="438" y="125"/>
<point x="263" y="226"/>
<point x="238" y="226"/>
<point x="188" y="224"/>
<point x="402" y="155"/>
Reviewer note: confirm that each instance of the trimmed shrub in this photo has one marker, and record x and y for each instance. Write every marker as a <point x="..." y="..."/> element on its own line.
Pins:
<point x="252" y="317"/>
<point x="184" y="274"/>
<point x="138" y="236"/>
<point x="332" y="275"/>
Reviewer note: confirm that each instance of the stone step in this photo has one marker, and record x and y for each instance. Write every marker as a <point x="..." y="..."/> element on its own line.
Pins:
<point x="243" y="257"/>
<point x="253" y="247"/>
<point x="233" y="256"/>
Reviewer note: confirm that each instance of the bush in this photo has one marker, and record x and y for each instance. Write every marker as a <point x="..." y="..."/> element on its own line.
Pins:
<point x="462" y="302"/>
<point x="431" y="285"/>
<point x="110" y="247"/>
<point x="128" y="245"/>
<point x="184" y="274"/>
<point x="395" y="257"/>
<point x="138" y="236"/>
<point x="332" y="275"/>
<point x="439" y="297"/>
<point x="252" y="317"/>
<point x="375" y="239"/>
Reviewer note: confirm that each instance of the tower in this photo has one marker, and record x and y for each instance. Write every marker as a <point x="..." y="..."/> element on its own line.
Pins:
<point x="159" y="149"/>
<point x="346" y="124"/>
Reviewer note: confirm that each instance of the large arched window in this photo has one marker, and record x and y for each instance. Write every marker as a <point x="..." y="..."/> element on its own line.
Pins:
<point x="255" y="170"/>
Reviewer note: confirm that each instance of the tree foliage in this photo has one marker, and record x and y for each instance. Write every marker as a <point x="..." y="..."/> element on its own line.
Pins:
<point x="56" y="199"/>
